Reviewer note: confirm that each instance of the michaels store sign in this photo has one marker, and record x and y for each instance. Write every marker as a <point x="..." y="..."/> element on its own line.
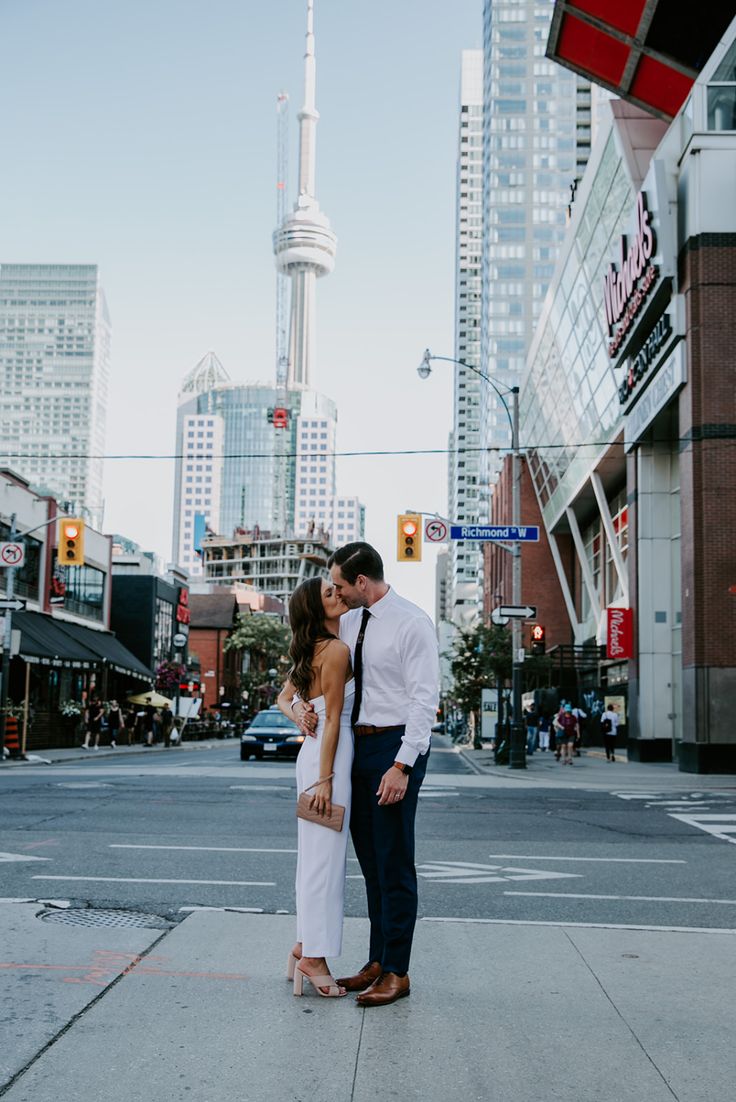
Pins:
<point x="644" y="320"/>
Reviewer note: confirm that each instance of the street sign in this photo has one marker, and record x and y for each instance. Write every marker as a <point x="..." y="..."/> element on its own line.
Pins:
<point x="435" y="531"/>
<point x="517" y="612"/>
<point x="12" y="554"/>
<point x="497" y="618"/>
<point x="12" y="604"/>
<point x="499" y="533"/>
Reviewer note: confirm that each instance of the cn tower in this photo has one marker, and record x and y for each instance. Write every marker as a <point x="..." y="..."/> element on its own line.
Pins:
<point x="304" y="244"/>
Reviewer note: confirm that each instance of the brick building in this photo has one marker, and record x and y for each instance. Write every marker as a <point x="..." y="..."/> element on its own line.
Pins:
<point x="213" y="617"/>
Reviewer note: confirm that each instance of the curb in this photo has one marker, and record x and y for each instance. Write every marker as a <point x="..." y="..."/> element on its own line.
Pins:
<point x="36" y="758"/>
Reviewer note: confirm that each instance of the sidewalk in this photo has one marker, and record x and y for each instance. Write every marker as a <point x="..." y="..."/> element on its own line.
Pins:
<point x="501" y="1012"/>
<point x="591" y="767"/>
<point x="76" y="753"/>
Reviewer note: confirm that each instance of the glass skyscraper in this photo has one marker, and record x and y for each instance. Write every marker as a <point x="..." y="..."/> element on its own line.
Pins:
<point x="536" y="137"/>
<point x="54" y="366"/>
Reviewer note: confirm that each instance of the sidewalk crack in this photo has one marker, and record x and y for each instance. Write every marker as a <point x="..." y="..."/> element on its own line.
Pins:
<point x="5" y="1087"/>
<point x="357" y="1058"/>
<point x="621" y="1016"/>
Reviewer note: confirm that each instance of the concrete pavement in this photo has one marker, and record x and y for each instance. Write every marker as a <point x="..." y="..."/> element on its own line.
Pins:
<point x="498" y="1011"/>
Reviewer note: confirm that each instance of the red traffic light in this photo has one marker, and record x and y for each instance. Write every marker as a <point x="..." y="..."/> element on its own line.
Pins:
<point x="409" y="528"/>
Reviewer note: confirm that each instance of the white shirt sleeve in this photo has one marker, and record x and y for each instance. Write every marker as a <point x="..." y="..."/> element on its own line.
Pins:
<point x="421" y="669"/>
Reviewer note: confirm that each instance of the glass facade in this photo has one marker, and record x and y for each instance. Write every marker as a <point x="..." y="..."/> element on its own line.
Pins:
<point x="54" y="372"/>
<point x="536" y="137"/>
<point x="570" y="410"/>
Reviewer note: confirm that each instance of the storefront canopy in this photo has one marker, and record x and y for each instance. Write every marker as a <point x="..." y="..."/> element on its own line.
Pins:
<point x="47" y="641"/>
<point x="643" y="50"/>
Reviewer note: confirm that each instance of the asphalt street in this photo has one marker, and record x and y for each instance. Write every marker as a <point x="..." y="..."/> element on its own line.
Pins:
<point x="194" y="828"/>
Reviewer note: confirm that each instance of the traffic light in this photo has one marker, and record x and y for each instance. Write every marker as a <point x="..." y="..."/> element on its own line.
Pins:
<point x="538" y="639"/>
<point x="409" y="538"/>
<point x="71" y="542"/>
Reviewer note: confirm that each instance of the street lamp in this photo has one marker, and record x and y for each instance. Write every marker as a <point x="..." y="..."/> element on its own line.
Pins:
<point x="517" y="754"/>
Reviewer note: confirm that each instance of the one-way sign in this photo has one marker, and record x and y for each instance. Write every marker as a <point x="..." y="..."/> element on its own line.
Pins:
<point x="12" y="604"/>
<point x="516" y="612"/>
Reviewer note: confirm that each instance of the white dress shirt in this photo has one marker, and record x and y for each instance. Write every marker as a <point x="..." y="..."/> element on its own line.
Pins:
<point x="400" y="670"/>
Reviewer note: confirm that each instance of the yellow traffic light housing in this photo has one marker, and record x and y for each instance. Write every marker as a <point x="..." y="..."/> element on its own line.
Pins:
<point x="70" y="550"/>
<point x="409" y="538"/>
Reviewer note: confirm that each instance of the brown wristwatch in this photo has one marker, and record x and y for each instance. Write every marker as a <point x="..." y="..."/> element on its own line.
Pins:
<point x="403" y="767"/>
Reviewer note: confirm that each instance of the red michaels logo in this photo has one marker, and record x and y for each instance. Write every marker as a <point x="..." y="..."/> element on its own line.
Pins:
<point x="620" y="633"/>
<point x="625" y="290"/>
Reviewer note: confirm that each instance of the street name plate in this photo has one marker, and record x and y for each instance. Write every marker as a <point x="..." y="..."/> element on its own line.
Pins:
<point x="499" y="533"/>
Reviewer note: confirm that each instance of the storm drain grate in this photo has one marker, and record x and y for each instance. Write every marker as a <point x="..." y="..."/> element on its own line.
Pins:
<point x="87" y="916"/>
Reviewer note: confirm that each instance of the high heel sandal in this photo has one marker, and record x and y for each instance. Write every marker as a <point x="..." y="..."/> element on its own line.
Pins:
<point x="317" y="982"/>
<point x="291" y="965"/>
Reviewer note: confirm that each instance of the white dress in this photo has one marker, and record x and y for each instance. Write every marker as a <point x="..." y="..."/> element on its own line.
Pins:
<point x="321" y="859"/>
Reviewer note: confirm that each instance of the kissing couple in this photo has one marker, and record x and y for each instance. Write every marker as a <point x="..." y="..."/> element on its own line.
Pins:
<point x="363" y="688"/>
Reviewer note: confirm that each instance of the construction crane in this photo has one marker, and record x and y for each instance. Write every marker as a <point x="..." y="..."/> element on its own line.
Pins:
<point x="282" y="414"/>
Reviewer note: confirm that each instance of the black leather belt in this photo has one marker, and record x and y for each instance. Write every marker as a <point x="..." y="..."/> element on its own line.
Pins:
<point x="370" y="729"/>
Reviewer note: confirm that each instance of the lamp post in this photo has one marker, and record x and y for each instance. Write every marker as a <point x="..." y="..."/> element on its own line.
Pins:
<point x="517" y="750"/>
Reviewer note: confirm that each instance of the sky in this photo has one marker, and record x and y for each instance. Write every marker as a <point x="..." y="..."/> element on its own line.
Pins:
<point x="140" y="135"/>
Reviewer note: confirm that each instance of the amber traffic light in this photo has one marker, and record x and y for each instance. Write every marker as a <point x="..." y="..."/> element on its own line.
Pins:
<point x="538" y="639"/>
<point x="409" y="538"/>
<point x="71" y="541"/>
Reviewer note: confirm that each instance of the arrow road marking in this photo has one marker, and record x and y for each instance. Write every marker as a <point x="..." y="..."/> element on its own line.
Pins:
<point x="467" y="872"/>
<point x="5" y="857"/>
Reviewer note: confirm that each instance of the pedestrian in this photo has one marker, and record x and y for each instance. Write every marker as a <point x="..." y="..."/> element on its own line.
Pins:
<point x="115" y="722"/>
<point x="320" y="673"/>
<point x="568" y="728"/>
<point x="149" y="718"/>
<point x="396" y="668"/>
<point x="581" y="717"/>
<point x="130" y="723"/>
<point x="167" y="720"/>
<point x="545" y="722"/>
<point x="609" y="726"/>
<point x="531" y="720"/>
<point x="94" y="724"/>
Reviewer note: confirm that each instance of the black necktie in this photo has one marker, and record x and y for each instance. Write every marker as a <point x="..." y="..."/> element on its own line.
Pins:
<point x="358" y="668"/>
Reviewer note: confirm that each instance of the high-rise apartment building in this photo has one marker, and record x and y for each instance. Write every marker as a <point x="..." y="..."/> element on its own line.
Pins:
<point x="465" y="503"/>
<point x="536" y="136"/>
<point x="54" y="367"/>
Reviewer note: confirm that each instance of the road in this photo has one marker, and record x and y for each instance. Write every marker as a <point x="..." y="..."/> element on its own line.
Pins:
<point x="165" y="833"/>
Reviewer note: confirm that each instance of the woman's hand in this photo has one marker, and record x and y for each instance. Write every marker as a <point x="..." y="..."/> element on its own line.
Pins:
<point x="305" y="717"/>
<point x="321" y="800"/>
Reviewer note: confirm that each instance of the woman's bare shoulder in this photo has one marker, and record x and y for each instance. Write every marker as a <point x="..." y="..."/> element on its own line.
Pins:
<point x="335" y="652"/>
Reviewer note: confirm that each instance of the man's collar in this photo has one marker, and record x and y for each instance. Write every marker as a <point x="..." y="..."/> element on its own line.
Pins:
<point x="382" y="604"/>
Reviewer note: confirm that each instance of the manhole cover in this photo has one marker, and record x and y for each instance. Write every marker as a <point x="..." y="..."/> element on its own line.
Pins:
<point x="87" y="916"/>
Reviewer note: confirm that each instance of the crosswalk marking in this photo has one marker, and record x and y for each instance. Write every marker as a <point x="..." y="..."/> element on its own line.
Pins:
<point x="720" y="826"/>
<point x="468" y="872"/>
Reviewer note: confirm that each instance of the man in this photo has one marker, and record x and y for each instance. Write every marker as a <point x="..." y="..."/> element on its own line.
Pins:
<point x="396" y="667"/>
<point x="609" y="726"/>
<point x="532" y="720"/>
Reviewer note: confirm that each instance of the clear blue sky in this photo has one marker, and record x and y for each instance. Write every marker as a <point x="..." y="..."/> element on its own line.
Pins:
<point x="140" y="135"/>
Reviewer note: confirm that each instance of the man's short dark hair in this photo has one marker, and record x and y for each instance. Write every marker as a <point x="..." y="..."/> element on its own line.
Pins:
<point x="357" y="558"/>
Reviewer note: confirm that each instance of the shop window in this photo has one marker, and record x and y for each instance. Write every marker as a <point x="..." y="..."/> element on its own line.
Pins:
<point x="722" y="94"/>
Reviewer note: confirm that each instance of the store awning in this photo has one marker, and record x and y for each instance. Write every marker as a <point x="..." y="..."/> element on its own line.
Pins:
<point x="44" y="642"/>
<point x="47" y="641"/>
<point x="642" y="50"/>
<point x="111" y="651"/>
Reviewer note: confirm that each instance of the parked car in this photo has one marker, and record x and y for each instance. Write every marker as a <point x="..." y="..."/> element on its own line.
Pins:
<point x="270" y="734"/>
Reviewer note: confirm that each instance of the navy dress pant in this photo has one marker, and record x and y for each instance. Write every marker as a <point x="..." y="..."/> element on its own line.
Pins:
<point x="384" y="844"/>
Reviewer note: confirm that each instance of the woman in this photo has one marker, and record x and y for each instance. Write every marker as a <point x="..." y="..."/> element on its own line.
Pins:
<point x="568" y="729"/>
<point x="321" y="674"/>
<point x="115" y="722"/>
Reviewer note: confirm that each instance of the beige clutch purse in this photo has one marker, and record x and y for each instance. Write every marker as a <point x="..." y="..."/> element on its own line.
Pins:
<point x="303" y="811"/>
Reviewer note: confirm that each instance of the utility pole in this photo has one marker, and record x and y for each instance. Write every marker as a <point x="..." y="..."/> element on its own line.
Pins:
<point x="517" y="749"/>
<point x="7" y="643"/>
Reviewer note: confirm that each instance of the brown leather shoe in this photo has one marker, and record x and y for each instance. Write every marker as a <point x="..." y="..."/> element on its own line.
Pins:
<point x="387" y="989"/>
<point x="368" y="974"/>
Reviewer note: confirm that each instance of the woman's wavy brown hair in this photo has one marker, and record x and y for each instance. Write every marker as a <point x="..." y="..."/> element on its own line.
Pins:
<point x="307" y="619"/>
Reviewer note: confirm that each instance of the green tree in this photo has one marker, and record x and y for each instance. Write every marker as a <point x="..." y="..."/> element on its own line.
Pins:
<point x="479" y="659"/>
<point x="266" y="641"/>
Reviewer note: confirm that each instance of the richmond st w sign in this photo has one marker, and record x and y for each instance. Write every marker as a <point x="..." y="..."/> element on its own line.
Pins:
<point x="628" y="284"/>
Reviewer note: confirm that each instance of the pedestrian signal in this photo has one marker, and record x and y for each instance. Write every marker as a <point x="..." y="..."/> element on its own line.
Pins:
<point x="71" y="542"/>
<point x="538" y="639"/>
<point x="409" y="538"/>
